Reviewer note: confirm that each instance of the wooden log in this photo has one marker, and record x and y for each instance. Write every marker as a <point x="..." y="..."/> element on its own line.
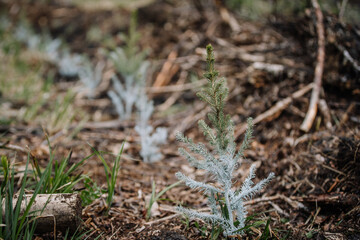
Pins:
<point x="54" y="212"/>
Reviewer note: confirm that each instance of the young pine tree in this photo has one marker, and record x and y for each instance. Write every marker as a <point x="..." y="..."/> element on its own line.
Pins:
<point x="228" y="213"/>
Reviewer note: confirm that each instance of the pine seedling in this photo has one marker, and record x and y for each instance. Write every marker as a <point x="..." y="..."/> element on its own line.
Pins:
<point x="149" y="138"/>
<point x="69" y="64"/>
<point x="228" y="212"/>
<point x="130" y="63"/>
<point x="126" y="93"/>
<point x="90" y="76"/>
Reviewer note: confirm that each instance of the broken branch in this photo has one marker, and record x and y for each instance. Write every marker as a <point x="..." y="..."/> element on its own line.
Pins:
<point x="310" y="115"/>
<point x="276" y="109"/>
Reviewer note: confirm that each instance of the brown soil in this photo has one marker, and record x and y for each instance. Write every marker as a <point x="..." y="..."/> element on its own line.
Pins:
<point x="316" y="191"/>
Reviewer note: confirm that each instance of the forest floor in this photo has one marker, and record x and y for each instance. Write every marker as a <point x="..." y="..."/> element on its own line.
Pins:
<point x="315" y="194"/>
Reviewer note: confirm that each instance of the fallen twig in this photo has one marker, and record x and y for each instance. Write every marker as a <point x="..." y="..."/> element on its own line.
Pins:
<point x="14" y="147"/>
<point x="177" y="87"/>
<point x="276" y="109"/>
<point x="345" y="117"/>
<point x="339" y="199"/>
<point x="108" y="124"/>
<point x="350" y="58"/>
<point x="168" y="70"/>
<point x="163" y="219"/>
<point x="229" y="19"/>
<point x="172" y="99"/>
<point x="310" y="115"/>
<point x="292" y="202"/>
<point x="201" y="110"/>
<point x="324" y="109"/>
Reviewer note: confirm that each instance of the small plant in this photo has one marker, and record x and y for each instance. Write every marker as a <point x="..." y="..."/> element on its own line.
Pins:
<point x="154" y="197"/>
<point x="90" y="76"/>
<point x="228" y="213"/>
<point x="125" y="95"/>
<point x="129" y="91"/>
<point x="69" y="65"/>
<point x="91" y="192"/>
<point x="130" y="63"/>
<point x="111" y="174"/>
<point x="149" y="139"/>
<point x="42" y="44"/>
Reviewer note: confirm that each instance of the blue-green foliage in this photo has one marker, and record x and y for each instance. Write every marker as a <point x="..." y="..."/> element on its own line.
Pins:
<point x="227" y="205"/>
<point x="55" y="51"/>
<point x="149" y="138"/>
<point x="90" y="76"/>
<point x="131" y="65"/>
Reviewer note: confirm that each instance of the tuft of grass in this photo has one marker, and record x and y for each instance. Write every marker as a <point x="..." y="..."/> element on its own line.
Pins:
<point x="60" y="178"/>
<point x="16" y="224"/>
<point x="57" y="177"/>
<point x="110" y="173"/>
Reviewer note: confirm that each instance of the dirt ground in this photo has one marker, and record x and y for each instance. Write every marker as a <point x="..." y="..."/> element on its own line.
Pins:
<point x="315" y="194"/>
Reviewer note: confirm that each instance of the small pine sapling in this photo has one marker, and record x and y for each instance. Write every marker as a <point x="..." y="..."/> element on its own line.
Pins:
<point x="43" y="45"/>
<point x="150" y="139"/>
<point x="126" y="94"/>
<point x="69" y="64"/>
<point x="90" y="76"/>
<point x="228" y="213"/>
<point x="130" y="63"/>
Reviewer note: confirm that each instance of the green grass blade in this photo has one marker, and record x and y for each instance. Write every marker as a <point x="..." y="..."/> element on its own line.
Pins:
<point x="114" y="174"/>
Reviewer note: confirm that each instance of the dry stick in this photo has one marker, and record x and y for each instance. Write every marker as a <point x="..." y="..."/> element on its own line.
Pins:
<point x="250" y="202"/>
<point x="13" y="147"/>
<point x="324" y="109"/>
<point x="345" y="117"/>
<point x="310" y="115"/>
<point x="349" y="57"/>
<point x="172" y="99"/>
<point x="229" y="19"/>
<point x="177" y="87"/>
<point x="169" y="69"/>
<point x="336" y="198"/>
<point x="108" y="124"/>
<point x="190" y="119"/>
<point x="279" y="106"/>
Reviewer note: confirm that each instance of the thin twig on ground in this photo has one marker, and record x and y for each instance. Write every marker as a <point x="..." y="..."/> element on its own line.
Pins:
<point x="310" y="115"/>
<point x="201" y="110"/>
<point x="324" y="109"/>
<point x="175" y="96"/>
<point x="276" y="109"/>
<point x="177" y="87"/>
<point x="345" y="117"/>
<point x="229" y="19"/>
<point x="168" y="70"/>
